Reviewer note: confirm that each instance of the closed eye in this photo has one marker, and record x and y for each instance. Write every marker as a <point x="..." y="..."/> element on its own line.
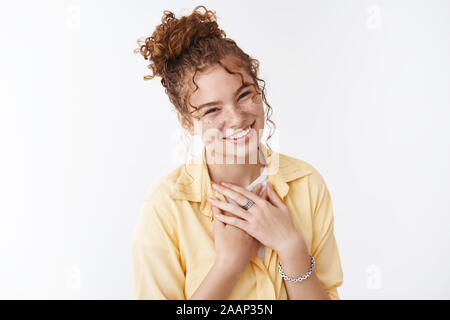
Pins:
<point x="244" y="94"/>
<point x="210" y="110"/>
<point x="241" y="96"/>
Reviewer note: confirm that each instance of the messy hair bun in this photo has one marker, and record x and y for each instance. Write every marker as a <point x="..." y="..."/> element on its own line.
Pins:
<point x="178" y="48"/>
<point x="175" y="36"/>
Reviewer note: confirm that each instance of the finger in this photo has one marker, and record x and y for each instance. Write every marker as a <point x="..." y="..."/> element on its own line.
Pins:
<point x="217" y="225"/>
<point x="257" y="189"/>
<point x="246" y="193"/>
<point x="234" y="221"/>
<point x="263" y="192"/>
<point x="229" y="207"/>
<point x="264" y="195"/>
<point x="273" y="196"/>
<point x="230" y="193"/>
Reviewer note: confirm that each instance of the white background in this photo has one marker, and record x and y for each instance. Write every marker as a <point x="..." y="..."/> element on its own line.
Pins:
<point x="360" y="90"/>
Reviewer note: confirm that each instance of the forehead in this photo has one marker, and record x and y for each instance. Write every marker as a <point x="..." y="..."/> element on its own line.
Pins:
<point x="215" y="83"/>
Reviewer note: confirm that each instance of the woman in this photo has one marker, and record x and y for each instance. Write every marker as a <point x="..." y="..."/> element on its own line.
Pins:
<point x="268" y="231"/>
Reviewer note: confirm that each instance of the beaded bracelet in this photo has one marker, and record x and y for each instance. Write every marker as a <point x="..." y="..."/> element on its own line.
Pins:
<point x="299" y="279"/>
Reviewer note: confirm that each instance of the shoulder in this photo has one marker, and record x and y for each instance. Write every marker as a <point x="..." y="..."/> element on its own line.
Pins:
<point x="289" y="164"/>
<point x="311" y="182"/>
<point x="157" y="202"/>
<point x="161" y="189"/>
<point x="295" y="166"/>
<point x="157" y="211"/>
<point x="303" y="174"/>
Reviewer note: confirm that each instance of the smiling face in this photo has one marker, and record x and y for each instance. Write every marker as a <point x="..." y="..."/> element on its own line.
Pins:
<point x="230" y="114"/>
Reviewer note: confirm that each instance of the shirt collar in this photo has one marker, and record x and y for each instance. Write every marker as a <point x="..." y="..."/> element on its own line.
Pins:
<point x="194" y="183"/>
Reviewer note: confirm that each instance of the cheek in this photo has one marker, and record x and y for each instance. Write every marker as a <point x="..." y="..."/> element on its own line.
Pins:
<point x="259" y="112"/>
<point x="210" y="131"/>
<point x="260" y="118"/>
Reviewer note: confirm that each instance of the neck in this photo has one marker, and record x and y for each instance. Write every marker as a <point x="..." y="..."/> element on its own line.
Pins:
<point x="241" y="174"/>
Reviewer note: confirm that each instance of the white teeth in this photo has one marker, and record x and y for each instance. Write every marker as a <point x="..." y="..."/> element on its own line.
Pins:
<point x="240" y="135"/>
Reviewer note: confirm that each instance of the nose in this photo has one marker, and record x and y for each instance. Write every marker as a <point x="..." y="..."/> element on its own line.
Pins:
<point x="235" y="118"/>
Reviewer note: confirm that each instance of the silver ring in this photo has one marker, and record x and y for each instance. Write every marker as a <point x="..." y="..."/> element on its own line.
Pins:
<point x="247" y="205"/>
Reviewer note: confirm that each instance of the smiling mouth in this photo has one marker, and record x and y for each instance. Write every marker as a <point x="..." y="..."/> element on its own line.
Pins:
<point x="246" y="128"/>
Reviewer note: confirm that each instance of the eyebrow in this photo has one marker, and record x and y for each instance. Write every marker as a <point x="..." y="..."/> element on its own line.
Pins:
<point x="213" y="103"/>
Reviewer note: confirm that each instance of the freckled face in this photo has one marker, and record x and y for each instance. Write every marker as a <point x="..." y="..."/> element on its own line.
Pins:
<point x="236" y="109"/>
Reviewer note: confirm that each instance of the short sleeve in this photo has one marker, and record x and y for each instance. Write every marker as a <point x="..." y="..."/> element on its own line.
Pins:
<point x="324" y="247"/>
<point x="156" y="271"/>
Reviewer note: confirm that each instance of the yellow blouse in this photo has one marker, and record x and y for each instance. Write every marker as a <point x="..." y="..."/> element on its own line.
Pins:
<point x="173" y="243"/>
